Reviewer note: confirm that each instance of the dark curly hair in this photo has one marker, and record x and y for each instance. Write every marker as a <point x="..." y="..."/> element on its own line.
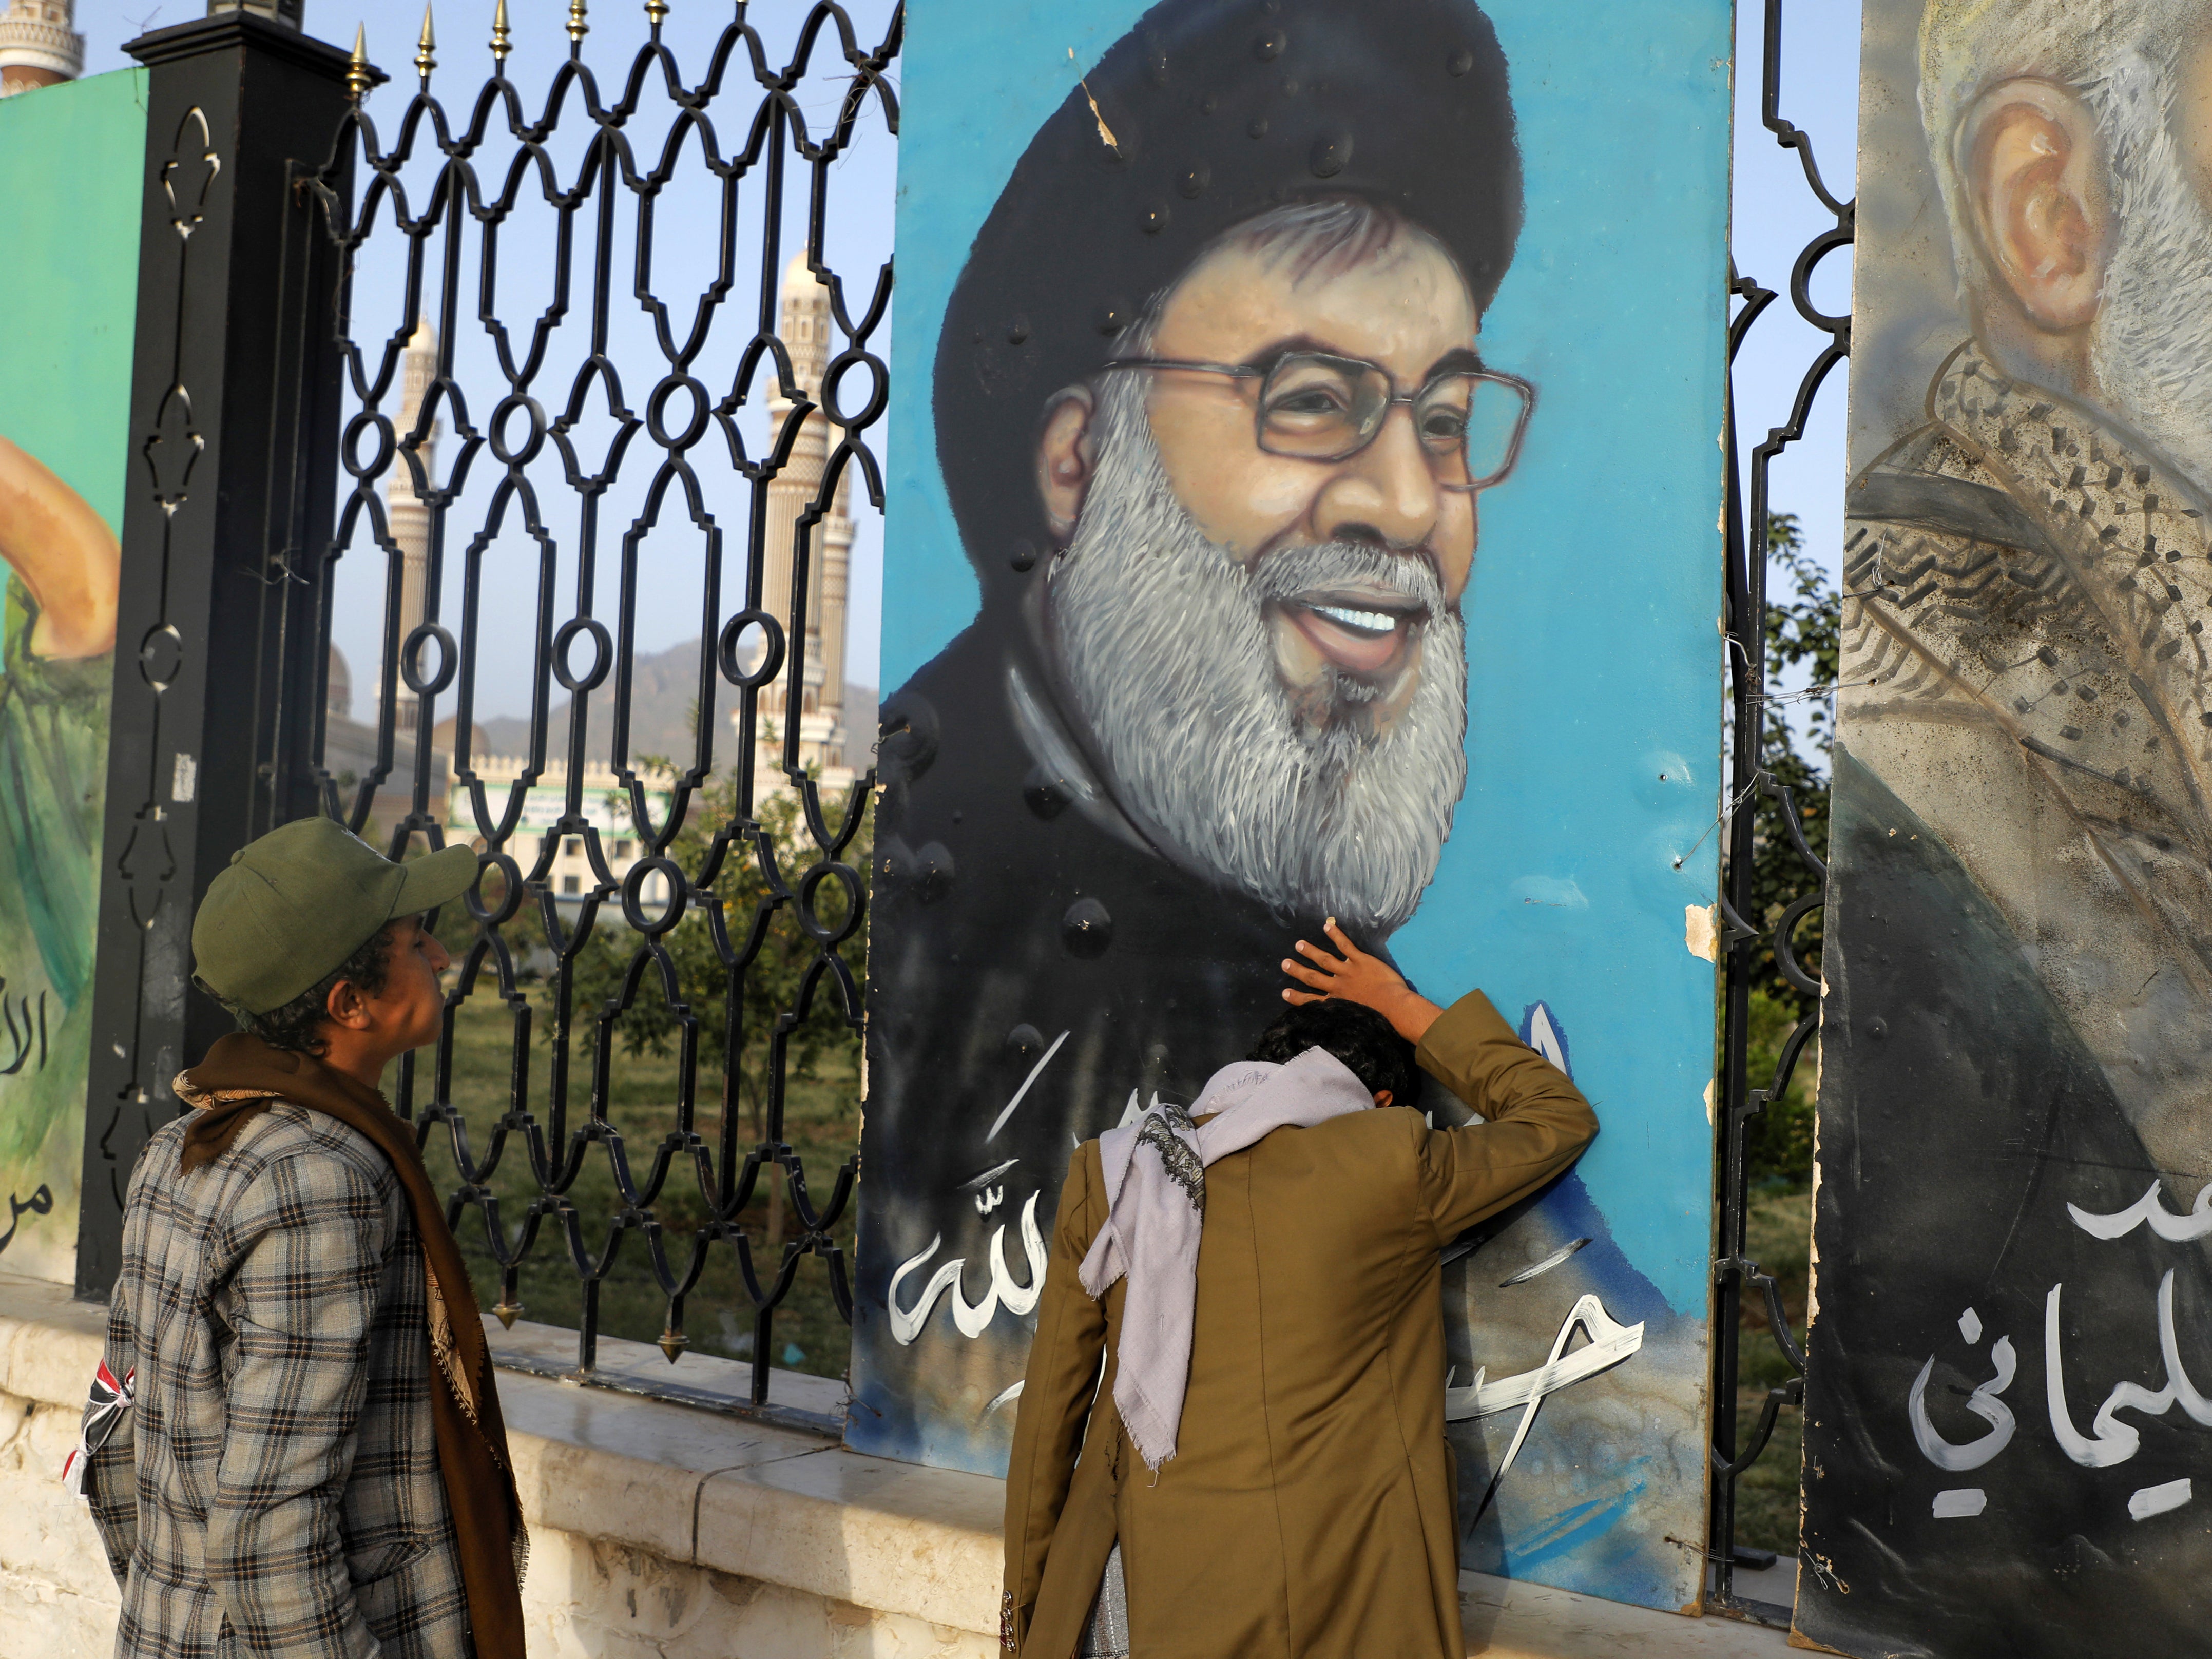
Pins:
<point x="1367" y="1044"/>
<point x="297" y="1026"/>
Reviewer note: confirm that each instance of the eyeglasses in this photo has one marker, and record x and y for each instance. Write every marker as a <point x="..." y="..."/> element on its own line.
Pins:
<point x="1314" y="406"/>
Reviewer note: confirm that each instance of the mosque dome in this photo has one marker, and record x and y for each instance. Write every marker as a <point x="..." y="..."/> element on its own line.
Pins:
<point x="337" y="703"/>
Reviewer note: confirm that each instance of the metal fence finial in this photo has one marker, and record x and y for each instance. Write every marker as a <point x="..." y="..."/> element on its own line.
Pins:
<point x="357" y="79"/>
<point x="426" y="48"/>
<point x="577" y="27"/>
<point x="501" y="38"/>
<point x="655" y="10"/>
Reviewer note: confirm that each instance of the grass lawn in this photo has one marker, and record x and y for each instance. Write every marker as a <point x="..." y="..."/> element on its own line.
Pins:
<point x="822" y="1121"/>
<point x="1780" y="1239"/>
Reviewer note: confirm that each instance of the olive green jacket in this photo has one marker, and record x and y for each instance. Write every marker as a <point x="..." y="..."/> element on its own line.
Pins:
<point x="1309" y="1509"/>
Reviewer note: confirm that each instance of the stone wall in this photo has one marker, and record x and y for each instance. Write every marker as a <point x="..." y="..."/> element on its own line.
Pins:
<point x="665" y="1531"/>
<point x="57" y="1598"/>
<point x="658" y="1531"/>
<point x="587" y="1597"/>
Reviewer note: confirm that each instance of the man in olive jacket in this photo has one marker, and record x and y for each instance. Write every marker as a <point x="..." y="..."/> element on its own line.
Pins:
<point x="1307" y="1509"/>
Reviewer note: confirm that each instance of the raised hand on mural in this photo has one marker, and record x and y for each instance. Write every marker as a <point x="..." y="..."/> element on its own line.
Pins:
<point x="1355" y="976"/>
<point x="66" y="553"/>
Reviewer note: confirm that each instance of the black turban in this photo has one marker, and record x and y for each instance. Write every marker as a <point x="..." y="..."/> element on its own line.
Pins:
<point x="1218" y="113"/>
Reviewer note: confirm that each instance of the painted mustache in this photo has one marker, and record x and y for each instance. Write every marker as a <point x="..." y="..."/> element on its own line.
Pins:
<point x="1357" y="602"/>
<point x="1359" y="578"/>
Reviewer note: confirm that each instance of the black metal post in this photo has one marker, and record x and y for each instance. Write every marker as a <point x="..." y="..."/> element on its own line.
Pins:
<point x="1747" y="931"/>
<point x="1746" y="594"/>
<point x="219" y="669"/>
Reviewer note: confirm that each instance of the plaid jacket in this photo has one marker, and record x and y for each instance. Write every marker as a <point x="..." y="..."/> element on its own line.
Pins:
<point x="275" y="1489"/>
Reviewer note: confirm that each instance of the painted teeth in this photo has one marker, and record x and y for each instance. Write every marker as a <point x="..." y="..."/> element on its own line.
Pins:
<point x="1372" y="622"/>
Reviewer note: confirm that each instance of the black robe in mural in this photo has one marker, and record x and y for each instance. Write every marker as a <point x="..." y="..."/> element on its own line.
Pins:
<point x="1013" y="918"/>
<point x="1959" y="1116"/>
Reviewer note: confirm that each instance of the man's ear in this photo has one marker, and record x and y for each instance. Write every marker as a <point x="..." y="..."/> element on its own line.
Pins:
<point x="346" y="1007"/>
<point x="1066" y="457"/>
<point x="1382" y="1098"/>
<point x="2035" y="172"/>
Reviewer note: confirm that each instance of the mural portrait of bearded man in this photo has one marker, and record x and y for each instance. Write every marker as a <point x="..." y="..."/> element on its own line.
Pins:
<point x="2018" y="1023"/>
<point x="2066" y="451"/>
<point x="1213" y="417"/>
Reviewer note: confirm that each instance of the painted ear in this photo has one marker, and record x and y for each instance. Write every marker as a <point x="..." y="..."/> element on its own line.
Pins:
<point x="2035" y="172"/>
<point x="1066" y="457"/>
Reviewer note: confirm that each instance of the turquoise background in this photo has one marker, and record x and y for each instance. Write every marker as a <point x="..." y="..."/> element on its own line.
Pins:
<point x="1594" y="644"/>
<point x="72" y="159"/>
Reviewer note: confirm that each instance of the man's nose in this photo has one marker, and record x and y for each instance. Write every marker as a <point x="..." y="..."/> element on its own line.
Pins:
<point x="1387" y="490"/>
<point x="440" y="958"/>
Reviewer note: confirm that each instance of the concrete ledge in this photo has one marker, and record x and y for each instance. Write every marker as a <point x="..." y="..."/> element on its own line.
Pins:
<point x="1508" y="1619"/>
<point x="742" y="1535"/>
<point x="796" y="1400"/>
<point x="49" y="1342"/>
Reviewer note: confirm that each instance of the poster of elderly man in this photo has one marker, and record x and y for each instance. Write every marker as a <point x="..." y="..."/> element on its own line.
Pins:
<point x="2005" y="1412"/>
<point x="1305" y="490"/>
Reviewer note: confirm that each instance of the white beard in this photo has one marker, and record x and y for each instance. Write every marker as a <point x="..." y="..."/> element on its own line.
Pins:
<point x="1162" y="636"/>
<point x="2150" y="350"/>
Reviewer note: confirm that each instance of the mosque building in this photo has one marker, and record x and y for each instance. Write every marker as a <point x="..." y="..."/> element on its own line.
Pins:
<point x="808" y="332"/>
<point x="405" y="511"/>
<point x="39" y="45"/>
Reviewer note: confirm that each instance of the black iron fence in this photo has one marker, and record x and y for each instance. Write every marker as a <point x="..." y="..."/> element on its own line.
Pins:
<point x="589" y="281"/>
<point x="452" y="191"/>
<point x="1760" y="809"/>
<point x="609" y="402"/>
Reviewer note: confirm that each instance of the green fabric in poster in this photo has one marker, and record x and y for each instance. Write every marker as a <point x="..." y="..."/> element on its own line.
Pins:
<point x="70" y="163"/>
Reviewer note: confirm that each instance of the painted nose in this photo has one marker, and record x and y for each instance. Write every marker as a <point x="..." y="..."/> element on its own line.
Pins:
<point x="1386" y="492"/>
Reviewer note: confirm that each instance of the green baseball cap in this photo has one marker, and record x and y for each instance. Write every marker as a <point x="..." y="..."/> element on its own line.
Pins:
<point x="297" y="902"/>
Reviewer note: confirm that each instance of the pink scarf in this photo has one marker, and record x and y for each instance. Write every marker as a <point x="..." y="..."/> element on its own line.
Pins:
<point x="1155" y="1197"/>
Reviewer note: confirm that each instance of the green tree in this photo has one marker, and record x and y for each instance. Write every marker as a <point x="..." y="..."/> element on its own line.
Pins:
<point x="1803" y="632"/>
<point x="742" y="933"/>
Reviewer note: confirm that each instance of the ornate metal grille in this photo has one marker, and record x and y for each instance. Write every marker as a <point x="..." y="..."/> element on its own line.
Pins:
<point x="527" y="394"/>
<point x="441" y="198"/>
<point x="1760" y="807"/>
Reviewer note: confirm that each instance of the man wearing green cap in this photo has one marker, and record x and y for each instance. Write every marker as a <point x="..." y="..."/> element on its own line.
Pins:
<point x="294" y="1443"/>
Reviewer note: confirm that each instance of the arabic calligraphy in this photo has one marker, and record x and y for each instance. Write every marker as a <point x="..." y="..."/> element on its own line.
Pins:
<point x="40" y="1202"/>
<point x="970" y="1319"/>
<point x="1541" y="1268"/>
<point x="1983" y="1403"/>
<point x="1036" y="1071"/>
<point x="2149" y="1209"/>
<point x="1610" y="1343"/>
<point x="2109" y="1442"/>
<point x="25" y="1024"/>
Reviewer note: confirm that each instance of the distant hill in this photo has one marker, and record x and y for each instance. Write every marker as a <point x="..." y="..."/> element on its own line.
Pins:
<point x="662" y="689"/>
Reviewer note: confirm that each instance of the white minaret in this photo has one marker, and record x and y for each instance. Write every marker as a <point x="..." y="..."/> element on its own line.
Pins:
<point x="807" y="332"/>
<point x="410" y="518"/>
<point x="39" y="46"/>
